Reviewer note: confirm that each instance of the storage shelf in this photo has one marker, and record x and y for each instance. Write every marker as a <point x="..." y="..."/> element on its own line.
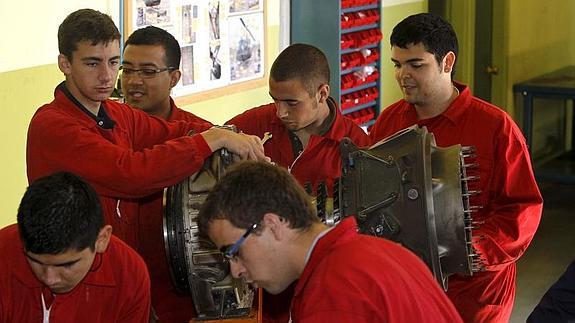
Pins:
<point x="358" y="88"/>
<point x="357" y="49"/>
<point x="357" y="68"/>
<point x="342" y="29"/>
<point x="359" y="28"/>
<point x="359" y="8"/>
<point x="359" y="107"/>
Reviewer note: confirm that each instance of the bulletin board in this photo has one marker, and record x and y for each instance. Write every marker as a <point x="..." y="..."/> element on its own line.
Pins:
<point x="223" y="42"/>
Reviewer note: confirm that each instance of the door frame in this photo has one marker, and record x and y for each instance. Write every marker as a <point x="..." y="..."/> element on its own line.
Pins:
<point x="461" y="14"/>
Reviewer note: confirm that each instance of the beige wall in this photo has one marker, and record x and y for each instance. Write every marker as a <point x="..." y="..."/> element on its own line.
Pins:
<point x="28" y="75"/>
<point x="393" y="13"/>
<point x="541" y="39"/>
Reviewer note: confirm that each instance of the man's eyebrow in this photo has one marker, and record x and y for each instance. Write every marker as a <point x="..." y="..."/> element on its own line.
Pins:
<point x="91" y="58"/>
<point x="285" y="100"/>
<point x="64" y="264"/>
<point x="411" y="60"/>
<point x="146" y="64"/>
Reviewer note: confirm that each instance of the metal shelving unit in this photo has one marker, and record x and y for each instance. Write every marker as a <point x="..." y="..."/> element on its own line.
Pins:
<point x="349" y="33"/>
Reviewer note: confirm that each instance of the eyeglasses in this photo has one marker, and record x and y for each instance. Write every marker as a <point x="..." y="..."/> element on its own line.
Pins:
<point x="145" y="73"/>
<point x="231" y="252"/>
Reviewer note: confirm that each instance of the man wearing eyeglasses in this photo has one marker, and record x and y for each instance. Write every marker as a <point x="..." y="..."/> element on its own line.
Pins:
<point x="61" y="263"/>
<point x="265" y="224"/>
<point x="150" y="69"/>
<point x="123" y="152"/>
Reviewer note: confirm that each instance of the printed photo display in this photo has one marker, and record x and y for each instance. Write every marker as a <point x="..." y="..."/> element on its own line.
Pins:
<point x="222" y="41"/>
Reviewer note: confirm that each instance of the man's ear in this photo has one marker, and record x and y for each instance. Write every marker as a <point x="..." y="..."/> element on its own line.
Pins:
<point x="175" y="78"/>
<point x="64" y="64"/>
<point x="278" y="226"/>
<point x="103" y="238"/>
<point x="323" y="93"/>
<point x="448" y="62"/>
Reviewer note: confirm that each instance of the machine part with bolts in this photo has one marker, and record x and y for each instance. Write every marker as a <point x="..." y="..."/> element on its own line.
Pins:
<point x="406" y="189"/>
<point x="196" y="265"/>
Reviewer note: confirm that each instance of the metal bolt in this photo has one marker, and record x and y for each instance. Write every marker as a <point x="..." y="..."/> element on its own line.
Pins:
<point x="412" y="194"/>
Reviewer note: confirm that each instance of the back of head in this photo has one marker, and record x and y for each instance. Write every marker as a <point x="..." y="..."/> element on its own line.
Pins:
<point x="435" y="33"/>
<point x="252" y="189"/>
<point x="152" y="35"/>
<point x="304" y="62"/>
<point x="85" y="25"/>
<point x="59" y="212"/>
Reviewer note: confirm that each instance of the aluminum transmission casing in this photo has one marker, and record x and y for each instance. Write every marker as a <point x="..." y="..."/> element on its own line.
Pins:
<point x="406" y="189"/>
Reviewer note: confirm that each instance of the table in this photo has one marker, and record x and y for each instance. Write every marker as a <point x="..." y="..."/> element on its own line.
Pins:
<point x="559" y="84"/>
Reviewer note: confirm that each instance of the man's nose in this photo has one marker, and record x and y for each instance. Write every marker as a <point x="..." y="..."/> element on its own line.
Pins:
<point x="237" y="269"/>
<point x="403" y="73"/>
<point x="133" y="78"/>
<point x="281" y="109"/>
<point x="107" y="72"/>
<point x="51" y="276"/>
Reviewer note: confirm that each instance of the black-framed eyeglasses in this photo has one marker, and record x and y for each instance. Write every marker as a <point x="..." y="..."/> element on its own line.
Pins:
<point x="231" y="252"/>
<point x="145" y="73"/>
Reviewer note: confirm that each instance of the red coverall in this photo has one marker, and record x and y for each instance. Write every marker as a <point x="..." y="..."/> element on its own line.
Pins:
<point x="510" y="198"/>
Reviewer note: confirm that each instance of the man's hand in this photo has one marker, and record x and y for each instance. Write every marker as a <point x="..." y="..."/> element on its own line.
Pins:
<point x="245" y="146"/>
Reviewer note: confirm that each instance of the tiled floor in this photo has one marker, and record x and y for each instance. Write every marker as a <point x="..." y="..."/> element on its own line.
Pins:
<point x="551" y="251"/>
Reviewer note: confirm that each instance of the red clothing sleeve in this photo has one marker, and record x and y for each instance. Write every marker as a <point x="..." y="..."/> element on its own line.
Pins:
<point x="513" y="204"/>
<point x="140" y="155"/>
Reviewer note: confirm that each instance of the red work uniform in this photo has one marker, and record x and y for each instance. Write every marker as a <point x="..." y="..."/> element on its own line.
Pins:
<point x="320" y="161"/>
<point x="116" y="289"/>
<point x="123" y="153"/>
<point x="351" y="277"/>
<point x="168" y="305"/>
<point x="510" y="198"/>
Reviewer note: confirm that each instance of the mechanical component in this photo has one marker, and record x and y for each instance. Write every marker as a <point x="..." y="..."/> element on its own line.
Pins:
<point x="196" y="266"/>
<point x="408" y="190"/>
<point x="404" y="188"/>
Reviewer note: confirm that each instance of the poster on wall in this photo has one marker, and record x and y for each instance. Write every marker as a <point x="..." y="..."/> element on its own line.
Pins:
<point x="222" y="41"/>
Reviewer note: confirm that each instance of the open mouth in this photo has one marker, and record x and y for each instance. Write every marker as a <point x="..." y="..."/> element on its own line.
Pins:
<point x="135" y="94"/>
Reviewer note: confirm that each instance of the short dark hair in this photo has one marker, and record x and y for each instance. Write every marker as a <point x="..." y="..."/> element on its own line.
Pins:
<point x="152" y="35"/>
<point x="85" y="25"/>
<point x="434" y="32"/>
<point x="59" y="212"/>
<point x="304" y="62"/>
<point x="250" y="190"/>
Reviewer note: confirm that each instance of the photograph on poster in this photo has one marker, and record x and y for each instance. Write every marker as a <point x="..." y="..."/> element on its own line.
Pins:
<point x="246" y="35"/>
<point x="216" y="70"/>
<point x="244" y="5"/>
<point x="187" y="65"/>
<point x="189" y="23"/>
<point x="214" y="14"/>
<point x="222" y="41"/>
<point x="153" y="12"/>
